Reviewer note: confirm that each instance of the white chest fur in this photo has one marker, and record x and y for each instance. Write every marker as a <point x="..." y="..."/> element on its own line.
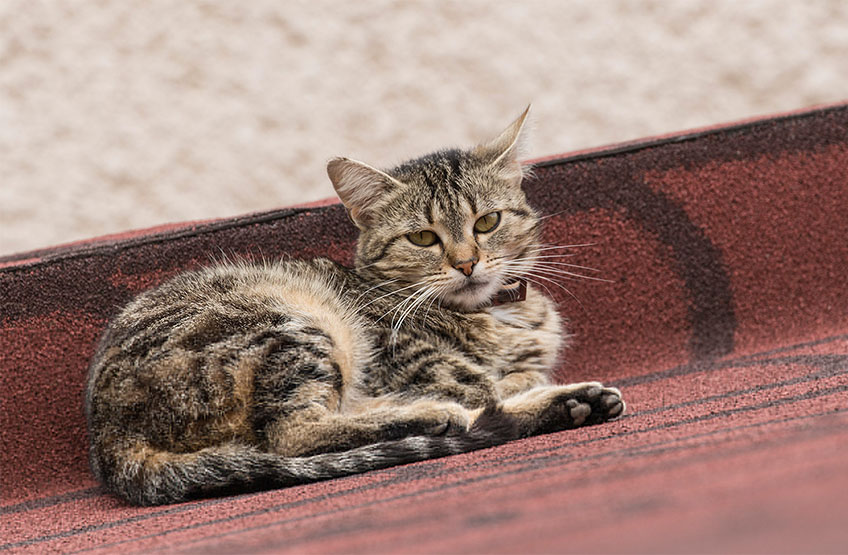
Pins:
<point x="513" y="314"/>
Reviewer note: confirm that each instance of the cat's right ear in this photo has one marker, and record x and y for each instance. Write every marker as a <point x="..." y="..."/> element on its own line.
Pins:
<point x="360" y="187"/>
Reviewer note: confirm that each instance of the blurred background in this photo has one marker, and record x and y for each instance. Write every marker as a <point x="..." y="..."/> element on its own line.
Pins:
<point x="117" y="115"/>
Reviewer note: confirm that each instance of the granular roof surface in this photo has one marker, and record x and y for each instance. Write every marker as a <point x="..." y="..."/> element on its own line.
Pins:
<point x="724" y="322"/>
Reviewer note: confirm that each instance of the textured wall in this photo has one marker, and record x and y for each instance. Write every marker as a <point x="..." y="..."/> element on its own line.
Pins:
<point x="115" y="115"/>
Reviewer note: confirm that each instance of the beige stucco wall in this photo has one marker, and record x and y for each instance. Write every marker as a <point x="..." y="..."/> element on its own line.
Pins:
<point x="119" y="114"/>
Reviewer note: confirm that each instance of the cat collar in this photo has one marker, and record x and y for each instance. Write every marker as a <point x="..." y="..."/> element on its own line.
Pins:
<point x="511" y="292"/>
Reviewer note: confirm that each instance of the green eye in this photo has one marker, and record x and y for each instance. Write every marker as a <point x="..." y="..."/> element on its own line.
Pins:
<point x="487" y="223"/>
<point x="425" y="238"/>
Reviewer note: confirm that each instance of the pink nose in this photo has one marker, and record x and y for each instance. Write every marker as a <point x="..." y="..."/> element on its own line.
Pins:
<point x="466" y="266"/>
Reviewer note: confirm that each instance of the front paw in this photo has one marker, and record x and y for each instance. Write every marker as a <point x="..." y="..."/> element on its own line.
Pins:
<point x="581" y="405"/>
<point x="595" y="403"/>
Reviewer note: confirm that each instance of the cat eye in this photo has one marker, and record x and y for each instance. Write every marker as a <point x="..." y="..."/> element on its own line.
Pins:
<point x="424" y="238"/>
<point x="487" y="223"/>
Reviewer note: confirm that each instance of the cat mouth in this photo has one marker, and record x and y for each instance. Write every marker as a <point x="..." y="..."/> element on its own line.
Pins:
<point x="513" y="290"/>
<point x="472" y="286"/>
<point x="472" y="292"/>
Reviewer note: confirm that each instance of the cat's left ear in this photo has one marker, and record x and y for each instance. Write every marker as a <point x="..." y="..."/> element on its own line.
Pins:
<point x="360" y="187"/>
<point x="504" y="152"/>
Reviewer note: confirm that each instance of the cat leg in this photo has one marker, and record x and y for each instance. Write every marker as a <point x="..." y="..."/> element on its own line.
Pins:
<point x="317" y="429"/>
<point x="547" y="409"/>
<point x="429" y="416"/>
<point x="516" y="382"/>
<point x="452" y="379"/>
<point x="305" y="403"/>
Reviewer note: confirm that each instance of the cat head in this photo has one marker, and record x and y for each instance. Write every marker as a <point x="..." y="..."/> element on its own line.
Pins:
<point x="452" y="225"/>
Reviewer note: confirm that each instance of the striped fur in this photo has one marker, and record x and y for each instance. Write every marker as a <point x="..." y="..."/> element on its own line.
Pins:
<point x="248" y="376"/>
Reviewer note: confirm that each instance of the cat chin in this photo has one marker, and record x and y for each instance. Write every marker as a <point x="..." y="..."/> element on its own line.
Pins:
<point x="468" y="300"/>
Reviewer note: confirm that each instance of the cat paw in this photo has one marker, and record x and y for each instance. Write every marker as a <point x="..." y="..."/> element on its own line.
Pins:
<point x="581" y="405"/>
<point x="596" y="402"/>
<point x="450" y="419"/>
<point x="438" y="418"/>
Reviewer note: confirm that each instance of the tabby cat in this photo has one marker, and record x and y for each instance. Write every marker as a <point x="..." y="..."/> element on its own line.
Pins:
<point x="238" y="377"/>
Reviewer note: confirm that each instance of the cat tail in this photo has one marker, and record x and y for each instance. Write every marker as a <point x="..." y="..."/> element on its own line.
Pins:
<point x="144" y="475"/>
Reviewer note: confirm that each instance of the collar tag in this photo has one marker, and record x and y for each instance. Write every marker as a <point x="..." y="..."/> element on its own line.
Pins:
<point x="512" y="292"/>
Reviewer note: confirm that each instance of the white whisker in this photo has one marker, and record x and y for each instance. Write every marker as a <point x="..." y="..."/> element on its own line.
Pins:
<point x="552" y="215"/>
<point x="530" y="276"/>
<point x="541" y="248"/>
<point x="396" y="307"/>
<point x="393" y="292"/>
<point x="420" y="299"/>
<point x="563" y="273"/>
<point x="531" y="280"/>
<point x="566" y="274"/>
<point x="535" y="258"/>
<point x="356" y="301"/>
<point x="407" y="299"/>
<point x="438" y="297"/>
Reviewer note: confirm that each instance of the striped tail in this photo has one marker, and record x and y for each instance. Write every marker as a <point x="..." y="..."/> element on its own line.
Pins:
<point x="144" y="475"/>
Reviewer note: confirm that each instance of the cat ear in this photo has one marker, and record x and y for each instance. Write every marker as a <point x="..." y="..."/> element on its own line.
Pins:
<point x="504" y="151"/>
<point x="360" y="187"/>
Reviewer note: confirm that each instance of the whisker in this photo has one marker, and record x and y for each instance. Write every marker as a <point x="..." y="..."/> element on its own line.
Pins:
<point x="561" y="255"/>
<point x="568" y="275"/>
<point x="557" y="263"/>
<point x="356" y="301"/>
<point x="421" y="299"/>
<point x="531" y="280"/>
<point x="408" y="299"/>
<point x="368" y="265"/>
<point x="554" y="268"/>
<point x="412" y="300"/>
<point x="554" y="282"/>
<point x="545" y="247"/>
<point x="438" y="297"/>
<point x="393" y="292"/>
<point x="397" y="306"/>
<point x="552" y="215"/>
<point x="530" y="277"/>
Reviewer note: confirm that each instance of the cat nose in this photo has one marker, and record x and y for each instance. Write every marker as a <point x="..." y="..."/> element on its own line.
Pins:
<point x="466" y="266"/>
